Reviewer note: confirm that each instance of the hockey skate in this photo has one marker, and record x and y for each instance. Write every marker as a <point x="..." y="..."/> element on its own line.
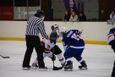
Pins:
<point x="83" y="66"/>
<point x="34" y="65"/>
<point x="43" y="68"/>
<point x="27" y="68"/>
<point x="68" y="66"/>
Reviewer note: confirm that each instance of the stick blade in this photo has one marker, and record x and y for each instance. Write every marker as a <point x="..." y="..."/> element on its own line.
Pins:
<point x="57" y="68"/>
<point x="6" y="57"/>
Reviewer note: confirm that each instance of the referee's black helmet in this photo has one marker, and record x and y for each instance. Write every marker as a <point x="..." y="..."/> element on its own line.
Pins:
<point x="39" y="13"/>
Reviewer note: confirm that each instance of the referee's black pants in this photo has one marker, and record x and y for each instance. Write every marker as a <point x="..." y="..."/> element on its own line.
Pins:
<point x="31" y="43"/>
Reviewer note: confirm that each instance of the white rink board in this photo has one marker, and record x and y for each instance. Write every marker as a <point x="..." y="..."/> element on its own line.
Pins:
<point x="91" y="30"/>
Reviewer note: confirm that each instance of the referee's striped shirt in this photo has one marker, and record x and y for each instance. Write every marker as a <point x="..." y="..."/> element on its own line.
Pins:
<point x="35" y="26"/>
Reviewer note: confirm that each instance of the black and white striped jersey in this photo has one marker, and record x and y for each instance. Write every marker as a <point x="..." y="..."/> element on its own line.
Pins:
<point x="35" y="26"/>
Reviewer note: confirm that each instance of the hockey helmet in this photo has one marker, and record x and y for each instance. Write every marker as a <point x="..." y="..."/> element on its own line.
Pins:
<point x="40" y="13"/>
<point x="53" y="36"/>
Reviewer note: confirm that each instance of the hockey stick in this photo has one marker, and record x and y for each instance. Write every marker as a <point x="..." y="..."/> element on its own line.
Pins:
<point x="5" y="57"/>
<point x="57" y="68"/>
<point x="54" y="67"/>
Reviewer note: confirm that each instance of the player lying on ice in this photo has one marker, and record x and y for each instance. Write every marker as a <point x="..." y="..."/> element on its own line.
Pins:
<point x="51" y="49"/>
<point x="74" y="46"/>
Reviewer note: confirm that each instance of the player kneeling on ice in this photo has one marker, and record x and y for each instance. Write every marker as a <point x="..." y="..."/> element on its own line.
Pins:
<point x="74" y="47"/>
<point x="51" y="50"/>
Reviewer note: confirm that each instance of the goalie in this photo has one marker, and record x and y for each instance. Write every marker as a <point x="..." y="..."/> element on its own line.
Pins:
<point x="51" y="49"/>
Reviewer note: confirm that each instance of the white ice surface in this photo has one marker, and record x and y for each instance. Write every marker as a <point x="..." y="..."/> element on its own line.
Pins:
<point x="99" y="59"/>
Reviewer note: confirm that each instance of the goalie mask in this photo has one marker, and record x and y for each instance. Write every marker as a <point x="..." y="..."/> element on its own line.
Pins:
<point x="53" y="36"/>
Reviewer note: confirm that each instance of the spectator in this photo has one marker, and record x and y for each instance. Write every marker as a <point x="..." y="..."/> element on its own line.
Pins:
<point x="82" y="17"/>
<point x="112" y="15"/>
<point x="35" y="25"/>
<point x="74" y="16"/>
<point x="111" y="18"/>
<point x="67" y="16"/>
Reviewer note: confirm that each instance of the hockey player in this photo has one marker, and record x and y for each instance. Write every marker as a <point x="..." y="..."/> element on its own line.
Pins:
<point x="111" y="38"/>
<point x="111" y="41"/>
<point x="51" y="49"/>
<point x="74" y="47"/>
<point x="55" y="28"/>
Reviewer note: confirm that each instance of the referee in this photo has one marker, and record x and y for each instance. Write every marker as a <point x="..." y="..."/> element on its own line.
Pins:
<point x="35" y="25"/>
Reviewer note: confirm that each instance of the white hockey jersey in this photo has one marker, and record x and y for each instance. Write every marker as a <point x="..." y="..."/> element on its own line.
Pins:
<point x="48" y="45"/>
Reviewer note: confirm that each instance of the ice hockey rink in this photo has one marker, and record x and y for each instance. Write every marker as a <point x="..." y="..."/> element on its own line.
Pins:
<point x="99" y="59"/>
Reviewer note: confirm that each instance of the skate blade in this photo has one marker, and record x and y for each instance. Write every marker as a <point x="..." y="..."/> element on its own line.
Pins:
<point x="68" y="69"/>
<point x="34" y="67"/>
<point x="83" y="68"/>
<point x="25" y="68"/>
<point x="42" y="69"/>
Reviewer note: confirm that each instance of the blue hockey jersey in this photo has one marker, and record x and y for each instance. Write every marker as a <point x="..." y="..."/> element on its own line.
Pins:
<point x="72" y="39"/>
<point x="111" y="35"/>
<point x="112" y="31"/>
